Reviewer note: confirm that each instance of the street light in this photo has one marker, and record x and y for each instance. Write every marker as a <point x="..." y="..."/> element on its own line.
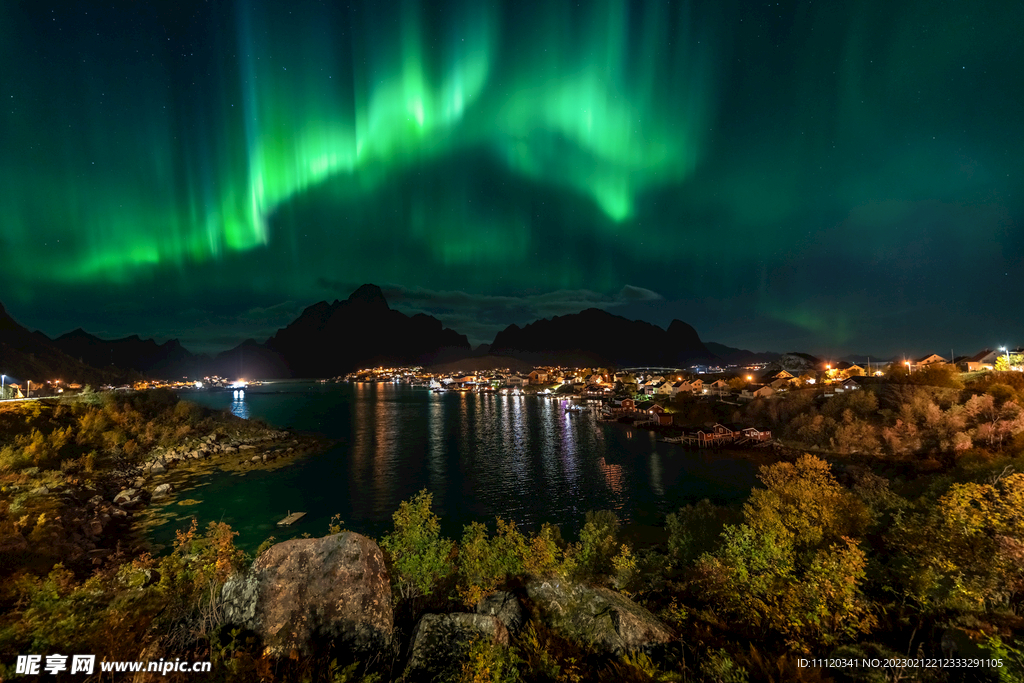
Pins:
<point x="3" y="381"/>
<point x="1007" y="350"/>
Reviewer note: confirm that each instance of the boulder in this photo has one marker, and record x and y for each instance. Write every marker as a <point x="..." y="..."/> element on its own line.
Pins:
<point x="303" y="590"/>
<point x="595" y="616"/>
<point x="157" y="468"/>
<point x="440" y="641"/>
<point x="506" y="607"/>
<point x="126" y="497"/>
<point x="162" y="491"/>
<point x="13" y="543"/>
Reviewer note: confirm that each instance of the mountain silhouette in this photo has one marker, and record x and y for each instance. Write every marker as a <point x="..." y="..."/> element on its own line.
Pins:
<point x="596" y="337"/>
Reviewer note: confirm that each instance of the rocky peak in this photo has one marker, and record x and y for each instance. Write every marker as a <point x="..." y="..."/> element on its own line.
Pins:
<point x="369" y="295"/>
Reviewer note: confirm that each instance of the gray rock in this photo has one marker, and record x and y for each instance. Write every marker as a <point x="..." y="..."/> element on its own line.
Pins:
<point x="441" y="641"/>
<point x="256" y="458"/>
<point x="162" y="491"/>
<point x="126" y="497"/>
<point x="506" y="607"/>
<point x="305" y="589"/>
<point x="139" y="482"/>
<point x="40" y="491"/>
<point x="157" y="468"/>
<point x="595" y="616"/>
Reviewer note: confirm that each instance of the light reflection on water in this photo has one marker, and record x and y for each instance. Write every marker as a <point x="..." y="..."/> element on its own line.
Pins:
<point x="481" y="455"/>
<point x="238" y="405"/>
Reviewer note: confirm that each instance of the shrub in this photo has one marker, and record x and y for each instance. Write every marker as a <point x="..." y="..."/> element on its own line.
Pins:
<point x="417" y="554"/>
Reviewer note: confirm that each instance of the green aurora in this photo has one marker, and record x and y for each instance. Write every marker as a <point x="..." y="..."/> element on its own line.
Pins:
<point x="826" y="172"/>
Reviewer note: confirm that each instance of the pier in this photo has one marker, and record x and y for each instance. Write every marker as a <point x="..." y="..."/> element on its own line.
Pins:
<point x="291" y="518"/>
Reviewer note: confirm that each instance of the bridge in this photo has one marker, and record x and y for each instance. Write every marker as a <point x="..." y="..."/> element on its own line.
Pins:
<point x="649" y="370"/>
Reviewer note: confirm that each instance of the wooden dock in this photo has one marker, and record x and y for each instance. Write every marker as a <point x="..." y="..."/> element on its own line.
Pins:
<point x="291" y="518"/>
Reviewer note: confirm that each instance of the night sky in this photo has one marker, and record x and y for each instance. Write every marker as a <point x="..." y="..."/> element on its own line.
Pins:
<point x="829" y="177"/>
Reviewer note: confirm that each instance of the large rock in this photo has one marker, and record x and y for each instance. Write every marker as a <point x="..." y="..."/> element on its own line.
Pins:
<point x="129" y="498"/>
<point x="506" y="607"/>
<point x="441" y="641"/>
<point x="162" y="491"/>
<point x="595" y="616"/>
<point x="303" y="590"/>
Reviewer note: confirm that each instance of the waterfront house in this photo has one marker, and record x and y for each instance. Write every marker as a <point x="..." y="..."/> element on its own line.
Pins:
<point x="726" y="431"/>
<point x="516" y="381"/>
<point x="538" y="377"/>
<point x="649" y="411"/>
<point x="754" y="434"/>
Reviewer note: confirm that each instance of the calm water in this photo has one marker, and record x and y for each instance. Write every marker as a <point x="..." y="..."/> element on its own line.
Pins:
<point x="521" y="458"/>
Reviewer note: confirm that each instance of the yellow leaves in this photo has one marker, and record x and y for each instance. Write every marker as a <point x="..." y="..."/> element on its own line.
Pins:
<point x="971" y="509"/>
<point x="336" y="525"/>
<point x="802" y="500"/>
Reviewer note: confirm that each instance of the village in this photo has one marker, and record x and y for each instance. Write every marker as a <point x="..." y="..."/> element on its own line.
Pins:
<point x="652" y="397"/>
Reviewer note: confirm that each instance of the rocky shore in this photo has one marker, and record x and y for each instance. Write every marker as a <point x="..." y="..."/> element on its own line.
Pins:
<point x="88" y="522"/>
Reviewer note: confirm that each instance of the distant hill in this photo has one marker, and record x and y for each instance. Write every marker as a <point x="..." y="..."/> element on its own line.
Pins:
<point x="26" y="355"/>
<point x="735" y="356"/>
<point x="482" y="363"/>
<point x="250" y="360"/>
<point x="169" y="359"/>
<point x="595" y="337"/>
<point x="795" y="363"/>
<point x="362" y="331"/>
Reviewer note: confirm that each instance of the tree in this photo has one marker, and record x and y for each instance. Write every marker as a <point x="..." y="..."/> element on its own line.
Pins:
<point x="802" y="501"/>
<point x="737" y="383"/>
<point x="967" y="552"/>
<point x="417" y="554"/>
<point x="1016" y="362"/>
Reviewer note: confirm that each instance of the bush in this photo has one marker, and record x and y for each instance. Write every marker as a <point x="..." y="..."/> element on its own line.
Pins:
<point x="592" y="557"/>
<point x="418" y="556"/>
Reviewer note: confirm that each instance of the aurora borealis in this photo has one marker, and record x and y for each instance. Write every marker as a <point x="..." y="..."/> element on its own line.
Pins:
<point x="822" y="176"/>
